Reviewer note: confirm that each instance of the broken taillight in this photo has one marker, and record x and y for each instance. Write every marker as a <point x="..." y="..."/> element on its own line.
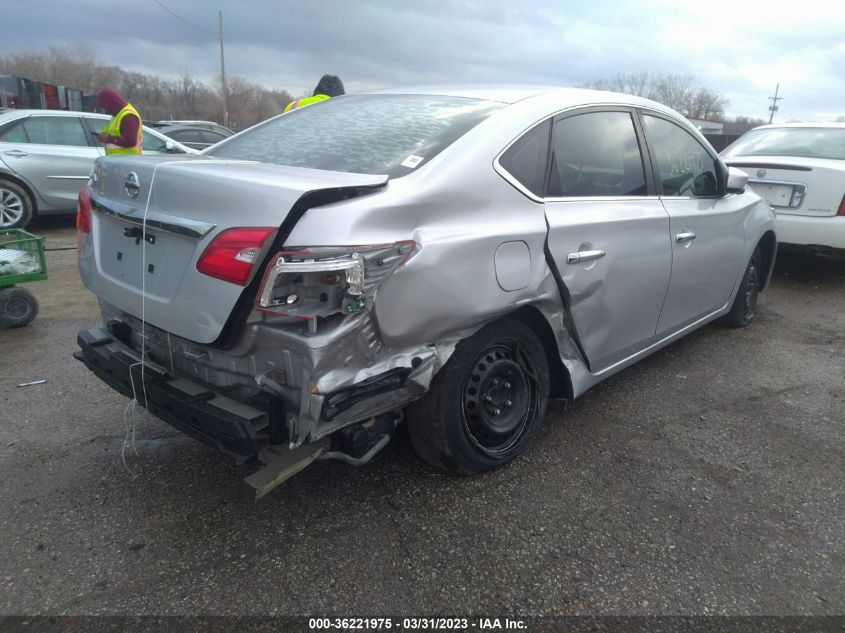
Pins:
<point x="841" y="211"/>
<point x="83" y="210"/>
<point x="321" y="281"/>
<point x="232" y="255"/>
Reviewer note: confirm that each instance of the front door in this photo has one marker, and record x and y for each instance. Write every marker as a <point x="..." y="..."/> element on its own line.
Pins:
<point x="706" y="227"/>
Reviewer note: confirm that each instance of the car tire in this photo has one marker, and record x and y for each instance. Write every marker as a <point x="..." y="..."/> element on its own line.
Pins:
<point x="745" y="302"/>
<point x="15" y="206"/>
<point x="17" y="307"/>
<point x="486" y="404"/>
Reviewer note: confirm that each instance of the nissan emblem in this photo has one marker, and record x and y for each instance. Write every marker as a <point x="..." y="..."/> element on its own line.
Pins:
<point x="133" y="185"/>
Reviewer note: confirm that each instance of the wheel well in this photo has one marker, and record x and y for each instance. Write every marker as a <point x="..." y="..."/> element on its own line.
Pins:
<point x="560" y="382"/>
<point x="767" y="246"/>
<point x="20" y="183"/>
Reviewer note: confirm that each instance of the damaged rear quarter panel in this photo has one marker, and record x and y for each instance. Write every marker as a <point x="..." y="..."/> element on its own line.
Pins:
<point x="448" y="289"/>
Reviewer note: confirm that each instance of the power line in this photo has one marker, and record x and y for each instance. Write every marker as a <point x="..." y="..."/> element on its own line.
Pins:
<point x="179" y="17"/>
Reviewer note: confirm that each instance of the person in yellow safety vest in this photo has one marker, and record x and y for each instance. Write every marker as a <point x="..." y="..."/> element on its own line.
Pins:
<point x="329" y="86"/>
<point x="123" y="134"/>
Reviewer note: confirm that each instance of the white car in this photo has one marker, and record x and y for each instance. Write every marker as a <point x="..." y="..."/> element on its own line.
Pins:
<point x="799" y="168"/>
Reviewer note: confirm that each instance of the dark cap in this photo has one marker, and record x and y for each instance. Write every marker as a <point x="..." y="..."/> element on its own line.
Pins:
<point x="330" y="85"/>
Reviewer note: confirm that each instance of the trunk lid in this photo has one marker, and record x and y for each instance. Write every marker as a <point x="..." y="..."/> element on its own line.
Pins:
<point x="820" y="183"/>
<point x="191" y="201"/>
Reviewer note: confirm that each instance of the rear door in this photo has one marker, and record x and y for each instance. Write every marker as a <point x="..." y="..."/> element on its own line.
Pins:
<point x="53" y="154"/>
<point x="706" y="226"/>
<point x="608" y="233"/>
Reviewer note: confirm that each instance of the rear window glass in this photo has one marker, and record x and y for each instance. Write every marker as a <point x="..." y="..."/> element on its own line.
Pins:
<point x="808" y="142"/>
<point x="367" y="134"/>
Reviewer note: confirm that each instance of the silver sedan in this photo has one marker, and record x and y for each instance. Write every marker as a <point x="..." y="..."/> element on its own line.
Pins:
<point x="47" y="155"/>
<point x="448" y="257"/>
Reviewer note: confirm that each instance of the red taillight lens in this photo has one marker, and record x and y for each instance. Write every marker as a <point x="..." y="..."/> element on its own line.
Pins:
<point x="83" y="211"/>
<point x="232" y="255"/>
<point x="841" y="207"/>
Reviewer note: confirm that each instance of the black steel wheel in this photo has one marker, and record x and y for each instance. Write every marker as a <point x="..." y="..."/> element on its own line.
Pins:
<point x="745" y="303"/>
<point x="486" y="403"/>
<point x="17" y="307"/>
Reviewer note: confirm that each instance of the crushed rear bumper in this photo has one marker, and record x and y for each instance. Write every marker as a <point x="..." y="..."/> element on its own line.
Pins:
<point x="237" y="430"/>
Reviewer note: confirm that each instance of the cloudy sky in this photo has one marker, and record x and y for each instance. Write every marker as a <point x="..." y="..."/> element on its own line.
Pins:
<point x="740" y="48"/>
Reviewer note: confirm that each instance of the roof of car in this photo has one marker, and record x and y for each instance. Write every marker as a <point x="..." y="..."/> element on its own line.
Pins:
<point x="829" y="124"/>
<point x="9" y="113"/>
<point x="507" y="93"/>
<point x="178" y="128"/>
<point x="184" y="122"/>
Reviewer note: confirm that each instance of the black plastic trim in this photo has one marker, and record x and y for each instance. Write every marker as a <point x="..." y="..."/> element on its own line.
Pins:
<point x="234" y="435"/>
<point x="342" y="399"/>
<point x="767" y="166"/>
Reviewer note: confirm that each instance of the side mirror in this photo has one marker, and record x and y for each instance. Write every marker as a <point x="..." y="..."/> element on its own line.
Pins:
<point x="736" y="181"/>
<point x="171" y="148"/>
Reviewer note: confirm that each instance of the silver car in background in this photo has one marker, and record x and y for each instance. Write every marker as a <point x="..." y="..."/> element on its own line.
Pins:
<point x="47" y="155"/>
<point x="441" y="256"/>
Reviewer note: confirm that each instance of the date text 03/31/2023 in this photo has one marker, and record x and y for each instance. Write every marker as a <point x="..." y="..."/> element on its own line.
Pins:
<point x="414" y="624"/>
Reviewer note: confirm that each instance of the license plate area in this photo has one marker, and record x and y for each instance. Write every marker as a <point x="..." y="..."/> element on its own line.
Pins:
<point x="783" y="195"/>
<point x="134" y="258"/>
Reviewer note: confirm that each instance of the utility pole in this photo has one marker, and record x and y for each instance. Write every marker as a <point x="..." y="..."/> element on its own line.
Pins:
<point x="772" y="108"/>
<point x="223" y="76"/>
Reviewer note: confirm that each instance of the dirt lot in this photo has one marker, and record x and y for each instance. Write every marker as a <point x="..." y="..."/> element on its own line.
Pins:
<point x="709" y="478"/>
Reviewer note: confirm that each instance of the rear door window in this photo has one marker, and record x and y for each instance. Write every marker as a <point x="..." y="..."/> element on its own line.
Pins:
<point x="187" y="136"/>
<point x="55" y="130"/>
<point x="596" y="154"/>
<point x="212" y="137"/>
<point x="526" y="159"/>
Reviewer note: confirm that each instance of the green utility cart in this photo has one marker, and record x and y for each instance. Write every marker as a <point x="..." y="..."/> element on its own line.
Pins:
<point x="21" y="260"/>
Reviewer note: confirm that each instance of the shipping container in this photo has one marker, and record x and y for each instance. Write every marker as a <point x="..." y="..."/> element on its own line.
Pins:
<point x="63" y="101"/>
<point x="33" y="94"/>
<point x="74" y="98"/>
<point x="11" y="92"/>
<point x="51" y="96"/>
<point x="89" y="103"/>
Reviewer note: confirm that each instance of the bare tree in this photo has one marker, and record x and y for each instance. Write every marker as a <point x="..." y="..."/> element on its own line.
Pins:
<point x="156" y="98"/>
<point x="741" y="124"/>
<point x="638" y="84"/>
<point x="706" y="104"/>
<point x="684" y="93"/>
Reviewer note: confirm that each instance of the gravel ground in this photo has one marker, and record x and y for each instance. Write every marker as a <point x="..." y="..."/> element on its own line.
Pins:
<point x="707" y="479"/>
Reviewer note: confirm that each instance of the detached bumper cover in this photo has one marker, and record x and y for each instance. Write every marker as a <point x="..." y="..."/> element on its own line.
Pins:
<point x="235" y="429"/>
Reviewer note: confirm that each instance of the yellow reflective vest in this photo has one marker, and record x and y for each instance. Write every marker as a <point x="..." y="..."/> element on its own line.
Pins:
<point x="293" y="105"/>
<point x="113" y="129"/>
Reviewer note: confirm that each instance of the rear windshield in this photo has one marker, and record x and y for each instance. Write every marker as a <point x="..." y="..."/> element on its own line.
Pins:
<point x="808" y="142"/>
<point x="366" y="134"/>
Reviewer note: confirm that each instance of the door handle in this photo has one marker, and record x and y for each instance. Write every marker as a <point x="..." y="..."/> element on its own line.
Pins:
<point x="584" y="256"/>
<point x="685" y="237"/>
<point x="16" y="152"/>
